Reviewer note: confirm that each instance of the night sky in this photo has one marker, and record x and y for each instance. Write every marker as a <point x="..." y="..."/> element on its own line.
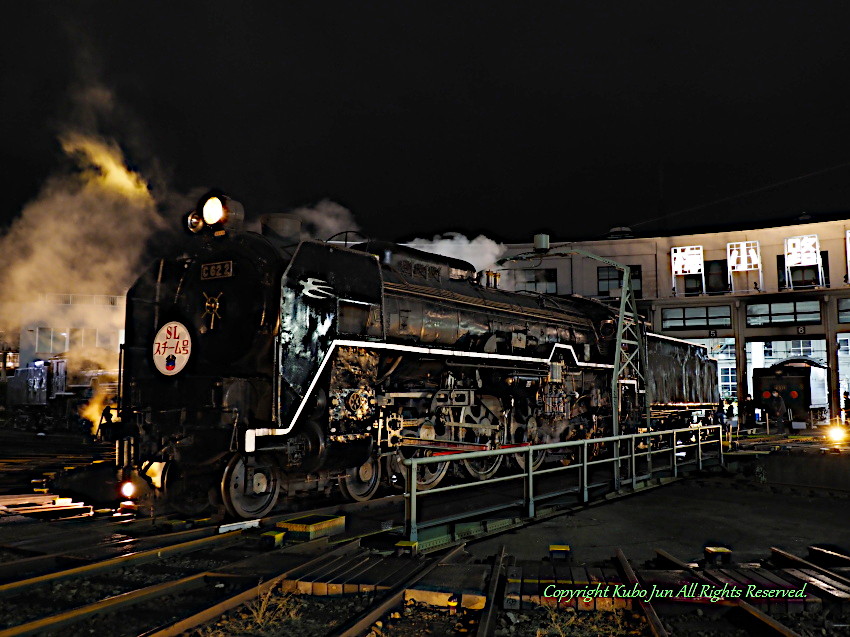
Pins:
<point x="425" y="117"/>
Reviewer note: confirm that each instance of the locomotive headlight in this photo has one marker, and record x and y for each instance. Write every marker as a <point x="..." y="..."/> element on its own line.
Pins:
<point x="214" y="210"/>
<point x="218" y="212"/>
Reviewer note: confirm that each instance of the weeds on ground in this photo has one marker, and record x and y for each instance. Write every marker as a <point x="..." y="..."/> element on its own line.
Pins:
<point x="568" y="623"/>
<point x="273" y="607"/>
<point x="266" y="615"/>
<point x="559" y="623"/>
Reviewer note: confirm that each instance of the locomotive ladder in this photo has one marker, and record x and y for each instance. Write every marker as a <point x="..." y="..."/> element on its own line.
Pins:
<point x="630" y="359"/>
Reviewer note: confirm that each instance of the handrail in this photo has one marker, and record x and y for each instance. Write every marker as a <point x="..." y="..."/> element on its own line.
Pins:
<point x="705" y="435"/>
<point x="470" y="455"/>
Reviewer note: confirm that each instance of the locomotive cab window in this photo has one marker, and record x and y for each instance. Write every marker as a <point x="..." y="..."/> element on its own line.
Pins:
<point x="359" y="319"/>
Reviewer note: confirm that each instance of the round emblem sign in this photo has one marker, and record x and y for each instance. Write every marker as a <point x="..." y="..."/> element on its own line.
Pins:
<point x="172" y="348"/>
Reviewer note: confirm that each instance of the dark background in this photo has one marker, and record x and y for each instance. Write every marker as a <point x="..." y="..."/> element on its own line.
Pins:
<point x="424" y="117"/>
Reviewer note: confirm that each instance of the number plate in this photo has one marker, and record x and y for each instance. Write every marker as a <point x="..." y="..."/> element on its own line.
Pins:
<point x="220" y="270"/>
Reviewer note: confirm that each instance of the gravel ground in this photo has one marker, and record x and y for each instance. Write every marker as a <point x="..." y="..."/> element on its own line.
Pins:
<point x="287" y="614"/>
<point x="65" y="595"/>
<point x="11" y="556"/>
<point x="807" y="624"/>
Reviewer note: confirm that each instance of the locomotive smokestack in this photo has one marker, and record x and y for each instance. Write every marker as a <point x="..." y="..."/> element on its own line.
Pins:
<point x="282" y="229"/>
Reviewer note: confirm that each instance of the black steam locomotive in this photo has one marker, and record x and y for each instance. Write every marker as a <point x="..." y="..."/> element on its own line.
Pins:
<point x="255" y="367"/>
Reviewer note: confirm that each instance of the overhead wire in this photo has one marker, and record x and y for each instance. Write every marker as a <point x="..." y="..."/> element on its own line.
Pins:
<point x="745" y="193"/>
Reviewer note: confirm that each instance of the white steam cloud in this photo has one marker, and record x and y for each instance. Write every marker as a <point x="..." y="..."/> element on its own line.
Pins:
<point x="326" y="219"/>
<point x="481" y="252"/>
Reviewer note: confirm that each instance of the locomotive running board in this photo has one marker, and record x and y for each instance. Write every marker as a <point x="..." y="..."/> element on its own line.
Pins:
<point x="251" y="435"/>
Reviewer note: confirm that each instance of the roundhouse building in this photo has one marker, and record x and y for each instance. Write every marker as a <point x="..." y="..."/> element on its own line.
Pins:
<point x="756" y="296"/>
<point x="56" y="324"/>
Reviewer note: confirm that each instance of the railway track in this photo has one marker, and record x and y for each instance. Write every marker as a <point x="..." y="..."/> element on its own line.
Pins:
<point x="755" y="621"/>
<point x="114" y="577"/>
<point x="107" y="575"/>
<point x="203" y="583"/>
<point x="123" y="595"/>
<point x="72" y="595"/>
<point x="517" y="603"/>
<point x="110" y="576"/>
<point x="31" y="460"/>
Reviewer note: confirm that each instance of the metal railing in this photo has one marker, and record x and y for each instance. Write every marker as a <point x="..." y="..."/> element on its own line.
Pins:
<point x="633" y="458"/>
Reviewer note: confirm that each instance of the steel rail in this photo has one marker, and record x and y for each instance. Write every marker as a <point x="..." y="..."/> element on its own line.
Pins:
<point x="69" y="554"/>
<point x="651" y="616"/>
<point x="485" y="624"/>
<point x="826" y="554"/>
<point x="768" y="622"/>
<point x="192" y="582"/>
<point x="208" y="614"/>
<point x="359" y="625"/>
<point x="803" y="563"/>
<point x="131" y="559"/>
<point x="109" y="604"/>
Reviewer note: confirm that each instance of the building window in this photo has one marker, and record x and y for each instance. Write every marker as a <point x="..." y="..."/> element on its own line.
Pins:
<point x="728" y="382"/>
<point x="844" y="310"/>
<point x="803" y="276"/>
<point x="691" y="318"/>
<point x="13" y="360"/>
<point x="49" y="340"/>
<point x="542" y="281"/>
<point x="83" y="338"/>
<point x="785" y="313"/>
<point x="800" y="348"/>
<point x="83" y="299"/>
<point x="716" y="277"/>
<point x="637" y="281"/>
<point x="610" y="278"/>
<point x="724" y="350"/>
<point x="844" y="346"/>
<point x="768" y="348"/>
<point x="693" y="284"/>
<point x="107" y="339"/>
<point x="607" y="278"/>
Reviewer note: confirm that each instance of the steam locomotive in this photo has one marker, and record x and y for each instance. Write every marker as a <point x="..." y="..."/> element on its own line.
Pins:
<point x="257" y="367"/>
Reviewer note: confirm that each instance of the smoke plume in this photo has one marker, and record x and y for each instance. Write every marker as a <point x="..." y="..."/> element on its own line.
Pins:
<point x="481" y="252"/>
<point x="326" y="219"/>
<point x="84" y="234"/>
